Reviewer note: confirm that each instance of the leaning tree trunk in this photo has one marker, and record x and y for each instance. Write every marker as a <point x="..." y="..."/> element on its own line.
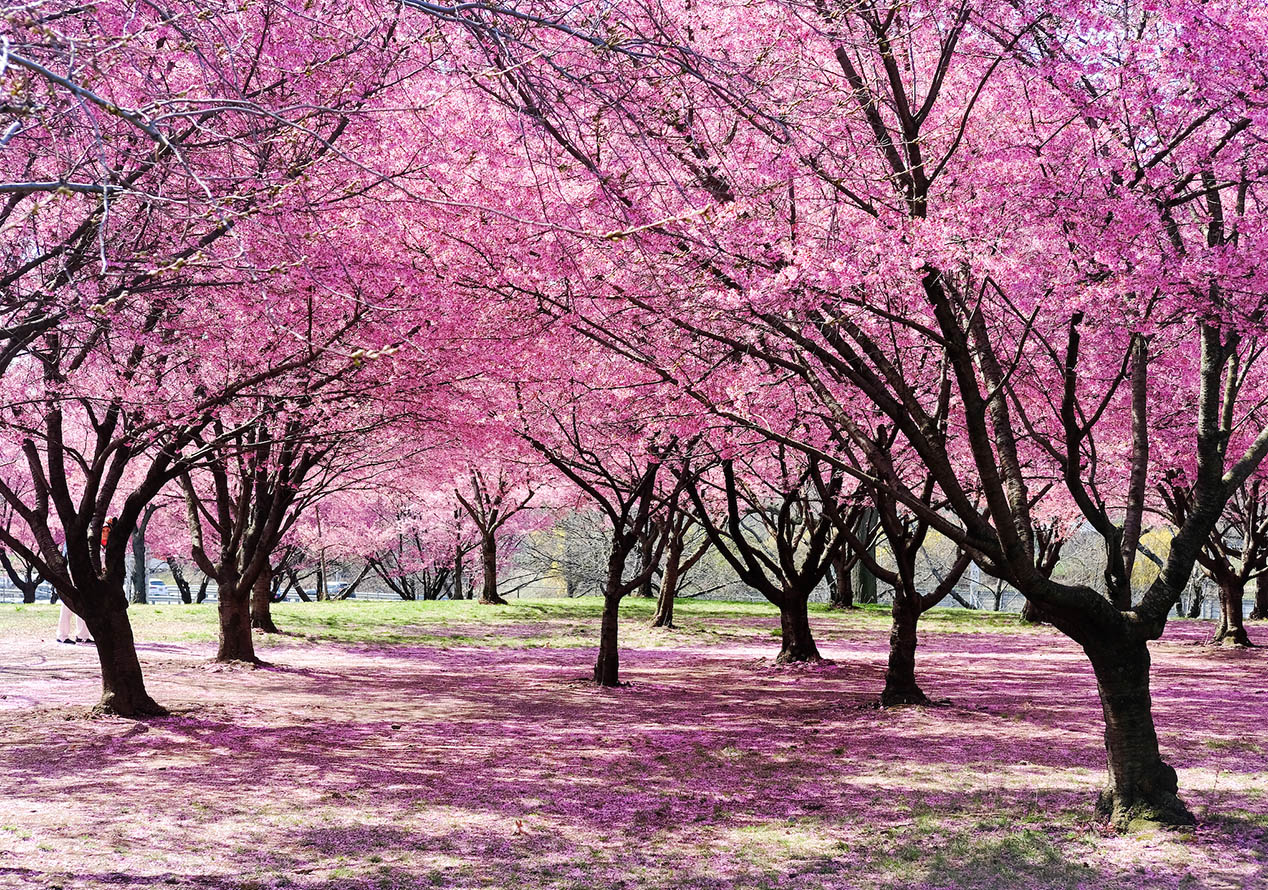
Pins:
<point x="797" y="642"/>
<point x="28" y="593"/>
<point x="236" y="643"/>
<point x="489" y="595"/>
<point x="664" y="616"/>
<point x="1231" y="630"/>
<point x="182" y="584"/>
<point x="262" y="603"/>
<point x="122" y="685"/>
<point x="1260" y="612"/>
<point x="900" y="674"/>
<point x="1142" y="789"/>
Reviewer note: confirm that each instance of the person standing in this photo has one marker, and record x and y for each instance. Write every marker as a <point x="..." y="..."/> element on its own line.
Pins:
<point x="64" y="627"/>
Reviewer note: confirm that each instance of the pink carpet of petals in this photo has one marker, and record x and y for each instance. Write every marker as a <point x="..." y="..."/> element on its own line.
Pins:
<point x="359" y="767"/>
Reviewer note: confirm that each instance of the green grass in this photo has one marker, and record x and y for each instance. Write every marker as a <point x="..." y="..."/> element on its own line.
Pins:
<point x="522" y="624"/>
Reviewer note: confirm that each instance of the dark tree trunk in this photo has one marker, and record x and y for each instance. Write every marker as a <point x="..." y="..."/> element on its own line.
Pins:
<point x="28" y="583"/>
<point x="181" y="582"/>
<point x="1195" y="606"/>
<point x="798" y="644"/>
<point x="202" y="590"/>
<point x="664" y="616"/>
<point x="297" y="586"/>
<point x="841" y="594"/>
<point x="1030" y="613"/>
<point x="607" y="667"/>
<point x="646" y="548"/>
<point x="1142" y="789"/>
<point x="489" y="563"/>
<point x="1232" y="630"/>
<point x="262" y="603"/>
<point x="122" y="686"/>
<point x="236" y="643"/>
<point x="140" y="577"/>
<point x="900" y="674"/>
<point x="1260" y="612"/>
<point x="864" y="584"/>
<point x="458" y="579"/>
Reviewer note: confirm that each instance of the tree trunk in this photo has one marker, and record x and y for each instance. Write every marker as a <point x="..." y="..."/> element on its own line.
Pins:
<point x="1195" y="607"/>
<point x="202" y="590"/>
<point x="1142" y="789"/>
<point x="1260" y="612"/>
<point x="297" y="585"/>
<point x="646" y="550"/>
<point x="262" y="603"/>
<point x="1231" y="629"/>
<point x="900" y="675"/>
<point x="122" y="685"/>
<point x="182" y="583"/>
<point x="841" y="594"/>
<point x="664" y="616"/>
<point x="236" y="643"/>
<point x="864" y="582"/>
<point x="457" y="576"/>
<point x="28" y="593"/>
<point x="607" y="668"/>
<point x="489" y="562"/>
<point x="1030" y="613"/>
<point x="140" y="577"/>
<point x="798" y="643"/>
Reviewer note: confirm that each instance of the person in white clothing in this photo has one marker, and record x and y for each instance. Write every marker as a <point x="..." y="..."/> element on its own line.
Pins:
<point x="64" y="622"/>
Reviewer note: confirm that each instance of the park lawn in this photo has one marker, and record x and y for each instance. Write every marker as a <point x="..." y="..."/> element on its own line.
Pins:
<point x="452" y="745"/>
<point x="523" y="623"/>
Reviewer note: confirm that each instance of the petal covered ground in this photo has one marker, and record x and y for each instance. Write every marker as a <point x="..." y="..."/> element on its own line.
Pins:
<point x="464" y="749"/>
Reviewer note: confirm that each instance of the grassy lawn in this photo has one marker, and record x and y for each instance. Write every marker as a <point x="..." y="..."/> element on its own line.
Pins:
<point x="403" y="745"/>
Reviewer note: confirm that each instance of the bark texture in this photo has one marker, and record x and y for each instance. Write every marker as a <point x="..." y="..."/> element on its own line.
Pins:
<point x="1143" y="789"/>
<point x="1260" y="612"/>
<point x="262" y="603"/>
<point x="236" y="642"/>
<point x="122" y="685"/>
<point x="1232" y="629"/>
<point x="489" y="595"/>
<point x="900" y="673"/>
<point x="797" y="642"/>
<point x="607" y="669"/>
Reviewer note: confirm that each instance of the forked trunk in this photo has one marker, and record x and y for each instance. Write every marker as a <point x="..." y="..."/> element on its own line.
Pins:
<point x="1231" y="629"/>
<point x="262" y="603"/>
<point x="1260" y="612"/>
<point x="122" y="686"/>
<point x="489" y="563"/>
<point x="607" y="668"/>
<point x="798" y="644"/>
<point x="1142" y="790"/>
<point x="900" y="674"/>
<point x="236" y="643"/>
